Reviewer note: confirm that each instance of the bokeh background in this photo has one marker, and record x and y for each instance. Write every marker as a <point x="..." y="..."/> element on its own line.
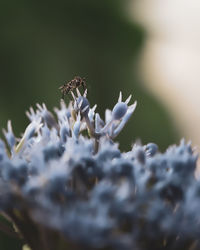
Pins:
<point x="170" y="59"/>
<point x="116" y="45"/>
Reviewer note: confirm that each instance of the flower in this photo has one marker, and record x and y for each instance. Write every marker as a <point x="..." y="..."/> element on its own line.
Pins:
<point x="63" y="189"/>
<point x="119" y="116"/>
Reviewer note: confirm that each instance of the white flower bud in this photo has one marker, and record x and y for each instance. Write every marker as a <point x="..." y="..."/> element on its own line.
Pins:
<point x="119" y="110"/>
<point x="83" y="105"/>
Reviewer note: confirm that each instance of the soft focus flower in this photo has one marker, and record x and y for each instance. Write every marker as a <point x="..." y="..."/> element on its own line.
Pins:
<point x="64" y="190"/>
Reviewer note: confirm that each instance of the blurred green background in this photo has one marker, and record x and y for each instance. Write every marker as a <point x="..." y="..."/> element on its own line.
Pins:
<point x="42" y="44"/>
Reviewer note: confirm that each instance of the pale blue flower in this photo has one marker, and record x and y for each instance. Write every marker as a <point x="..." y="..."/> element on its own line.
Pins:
<point x="66" y="185"/>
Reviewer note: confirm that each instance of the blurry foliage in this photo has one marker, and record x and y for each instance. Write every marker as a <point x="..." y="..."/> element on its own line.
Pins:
<point x="44" y="43"/>
<point x="6" y="242"/>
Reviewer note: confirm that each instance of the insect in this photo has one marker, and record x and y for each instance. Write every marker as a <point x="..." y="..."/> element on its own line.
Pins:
<point x="73" y="84"/>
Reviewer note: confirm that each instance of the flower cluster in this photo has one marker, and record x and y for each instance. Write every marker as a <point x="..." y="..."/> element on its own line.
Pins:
<point x="63" y="189"/>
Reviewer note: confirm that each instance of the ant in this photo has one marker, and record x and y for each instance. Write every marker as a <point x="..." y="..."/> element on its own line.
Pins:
<point x="73" y="84"/>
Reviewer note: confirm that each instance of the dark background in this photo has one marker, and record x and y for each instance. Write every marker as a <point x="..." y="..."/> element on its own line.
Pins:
<point x="42" y="44"/>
